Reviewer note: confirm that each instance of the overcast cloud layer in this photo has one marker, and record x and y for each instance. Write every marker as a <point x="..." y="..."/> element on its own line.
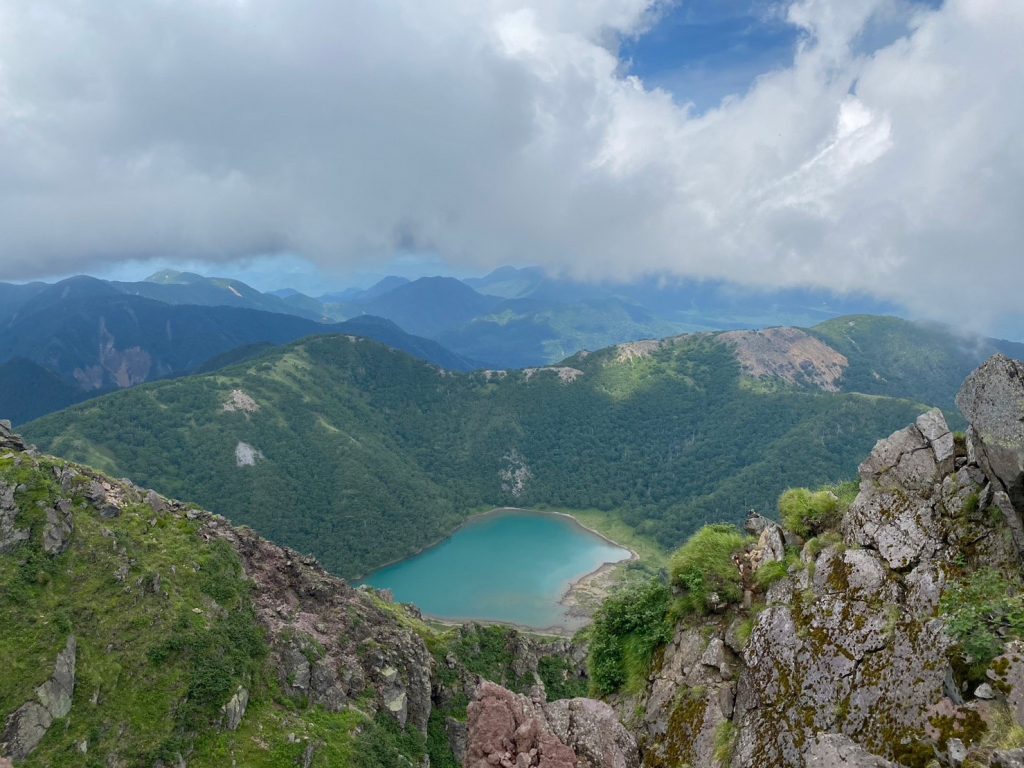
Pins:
<point x="505" y="130"/>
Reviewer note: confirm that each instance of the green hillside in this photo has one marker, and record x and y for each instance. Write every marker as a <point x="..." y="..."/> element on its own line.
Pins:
<point x="890" y="356"/>
<point x="361" y="455"/>
<point x="139" y="631"/>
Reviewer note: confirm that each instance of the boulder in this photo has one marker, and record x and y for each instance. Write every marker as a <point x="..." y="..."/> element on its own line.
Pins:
<point x="594" y="733"/>
<point x="234" y="710"/>
<point x="833" y="750"/>
<point x="59" y="525"/>
<point x="9" y="440"/>
<point x="1007" y="675"/>
<point x="10" y="534"/>
<point x="992" y="400"/>
<point x="507" y="729"/>
<point x="30" y="722"/>
<point x="1010" y="758"/>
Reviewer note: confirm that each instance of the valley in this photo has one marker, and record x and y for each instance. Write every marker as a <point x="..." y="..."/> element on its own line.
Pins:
<point x="362" y="455"/>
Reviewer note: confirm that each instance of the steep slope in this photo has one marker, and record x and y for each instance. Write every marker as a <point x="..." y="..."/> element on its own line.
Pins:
<point x="874" y="630"/>
<point x="345" y="439"/>
<point x="139" y="631"/>
<point x="890" y="356"/>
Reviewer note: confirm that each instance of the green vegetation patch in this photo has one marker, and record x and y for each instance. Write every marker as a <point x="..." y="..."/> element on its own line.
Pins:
<point x="627" y="630"/>
<point x="983" y="610"/>
<point x="808" y="513"/>
<point x="706" y="570"/>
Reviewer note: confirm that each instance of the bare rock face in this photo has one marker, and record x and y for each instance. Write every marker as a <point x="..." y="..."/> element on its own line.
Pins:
<point x="234" y="710"/>
<point x="509" y="730"/>
<point x="894" y="512"/>
<point x="789" y="354"/>
<point x="846" y="664"/>
<point x="992" y="400"/>
<point x="59" y="526"/>
<point x="830" y="750"/>
<point x="690" y="697"/>
<point x="27" y="726"/>
<point x="10" y="534"/>
<point x="330" y="643"/>
<point x="9" y="440"/>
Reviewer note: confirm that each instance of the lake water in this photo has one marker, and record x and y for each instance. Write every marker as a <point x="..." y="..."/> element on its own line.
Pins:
<point x="508" y="565"/>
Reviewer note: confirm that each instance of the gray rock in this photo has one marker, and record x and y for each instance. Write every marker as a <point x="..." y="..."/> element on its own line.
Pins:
<point x="56" y="693"/>
<point x="992" y="400"/>
<point x="956" y="752"/>
<point x="25" y="729"/>
<point x="10" y="535"/>
<point x="833" y="750"/>
<point x="1010" y="758"/>
<point x="984" y="691"/>
<point x="59" y="525"/>
<point x="904" y="460"/>
<point x="27" y="726"/>
<point x="1007" y="672"/>
<point x="771" y="545"/>
<point x="591" y="729"/>
<point x="9" y="440"/>
<point x="756" y="523"/>
<point x="455" y="730"/>
<point x="932" y="426"/>
<point x="234" y="710"/>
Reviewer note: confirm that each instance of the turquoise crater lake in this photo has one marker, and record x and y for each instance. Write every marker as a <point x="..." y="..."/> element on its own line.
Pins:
<point x="508" y="565"/>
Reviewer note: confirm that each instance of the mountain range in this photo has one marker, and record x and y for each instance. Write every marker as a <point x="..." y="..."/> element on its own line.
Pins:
<point x="324" y="443"/>
<point x="83" y="337"/>
<point x="879" y="624"/>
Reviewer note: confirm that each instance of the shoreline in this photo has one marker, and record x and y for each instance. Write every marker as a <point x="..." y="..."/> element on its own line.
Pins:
<point x="569" y="599"/>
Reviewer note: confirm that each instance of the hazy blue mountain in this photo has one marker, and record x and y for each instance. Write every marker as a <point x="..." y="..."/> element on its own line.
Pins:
<point x="93" y="338"/>
<point x="431" y="305"/>
<point x="14" y="296"/>
<point x="28" y="391"/>
<point x="173" y="287"/>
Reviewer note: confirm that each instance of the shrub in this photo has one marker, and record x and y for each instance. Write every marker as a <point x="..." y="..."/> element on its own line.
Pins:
<point x="980" y="611"/>
<point x="771" y="572"/>
<point x="628" y="628"/>
<point x="704" y="566"/>
<point x="725" y="742"/>
<point x="806" y="512"/>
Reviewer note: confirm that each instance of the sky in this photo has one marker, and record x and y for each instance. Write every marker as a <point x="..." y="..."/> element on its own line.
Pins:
<point x="859" y="145"/>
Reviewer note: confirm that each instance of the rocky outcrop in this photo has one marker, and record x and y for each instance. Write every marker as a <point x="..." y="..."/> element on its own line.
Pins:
<point x="852" y="644"/>
<point x="234" y="710"/>
<point x="992" y="400"/>
<point x="331" y="644"/>
<point x="59" y="525"/>
<point x="830" y="750"/>
<point x="513" y="731"/>
<point x="26" y="727"/>
<point x="849" y="662"/>
<point x="9" y="440"/>
<point x="10" y="533"/>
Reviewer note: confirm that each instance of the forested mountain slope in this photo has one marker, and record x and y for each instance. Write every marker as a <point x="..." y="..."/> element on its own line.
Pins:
<point x="361" y="454"/>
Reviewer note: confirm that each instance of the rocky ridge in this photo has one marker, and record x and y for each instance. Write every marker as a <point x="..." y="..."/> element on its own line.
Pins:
<point x="847" y="658"/>
<point x="850" y="661"/>
<point x="329" y="647"/>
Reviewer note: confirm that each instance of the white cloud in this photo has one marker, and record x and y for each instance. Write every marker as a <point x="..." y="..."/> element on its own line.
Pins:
<point x="504" y="130"/>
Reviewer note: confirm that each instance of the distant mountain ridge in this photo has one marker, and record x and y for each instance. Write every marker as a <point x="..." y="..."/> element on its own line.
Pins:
<point x="95" y="338"/>
<point x="347" y="438"/>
